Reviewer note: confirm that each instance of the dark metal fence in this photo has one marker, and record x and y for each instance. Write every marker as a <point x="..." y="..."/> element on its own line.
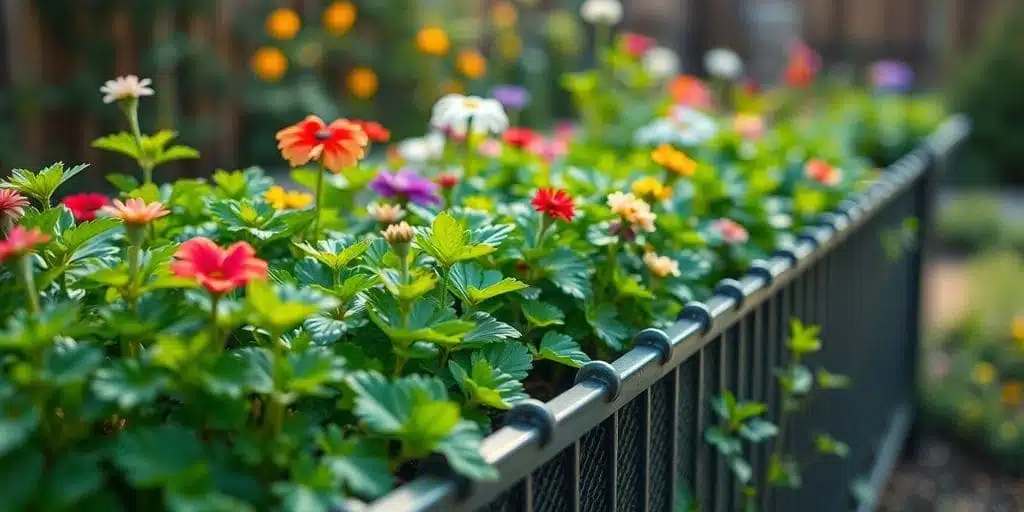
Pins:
<point x="628" y="436"/>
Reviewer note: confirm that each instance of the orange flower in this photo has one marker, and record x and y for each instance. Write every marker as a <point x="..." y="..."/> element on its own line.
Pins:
<point x="674" y="160"/>
<point x="504" y="15"/>
<point x="471" y="64"/>
<point x="820" y="171"/>
<point x="362" y="82"/>
<point x="433" y="41"/>
<point x="339" y="17"/>
<point x="269" y="64"/>
<point x="690" y="91"/>
<point x="218" y="270"/>
<point x="1013" y="393"/>
<point x="338" y="145"/>
<point x="135" y="211"/>
<point x="283" y="24"/>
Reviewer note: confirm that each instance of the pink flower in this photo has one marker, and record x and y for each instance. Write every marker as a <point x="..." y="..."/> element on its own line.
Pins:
<point x="12" y="206"/>
<point x="21" y="241"/>
<point x="749" y="126"/>
<point x="218" y="270"/>
<point x="548" y="149"/>
<point x="489" y="148"/>
<point x="135" y="211"/>
<point x="820" y="171"/>
<point x="636" y="45"/>
<point x="731" y="231"/>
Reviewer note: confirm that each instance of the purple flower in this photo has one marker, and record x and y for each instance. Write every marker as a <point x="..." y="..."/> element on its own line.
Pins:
<point x="513" y="97"/>
<point x="891" y="76"/>
<point x="406" y="185"/>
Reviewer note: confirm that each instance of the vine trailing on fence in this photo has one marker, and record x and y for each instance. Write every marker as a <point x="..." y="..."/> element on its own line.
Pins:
<point x="743" y="421"/>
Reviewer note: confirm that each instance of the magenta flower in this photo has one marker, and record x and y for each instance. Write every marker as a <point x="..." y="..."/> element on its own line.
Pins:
<point x="405" y="185"/>
<point x="513" y="97"/>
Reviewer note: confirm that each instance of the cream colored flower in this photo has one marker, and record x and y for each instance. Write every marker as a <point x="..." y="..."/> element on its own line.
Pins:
<point x="723" y="63"/>
<point x="126" y="87"/>
<point x="386" y="213"/>
<point x="422" y="149"/>
<point x="459" y="114"/>
<point x="605" y="12"/>
<point x="661" y="63"/>
<point x="633" y="210"/>
<point x="661" y="266"/>
<point x="400" y="233"/>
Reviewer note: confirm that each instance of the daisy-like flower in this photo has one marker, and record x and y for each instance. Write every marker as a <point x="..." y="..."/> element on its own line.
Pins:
<point x="651" y="188"/>
<point x="633" y="210"/>
<point x="458" y="114"/>
<point x="731" y="231"/>
<point x="85" y="205"/>
<point x="128" y="87"/>
<point x="135" y="211"/>
<point x="406" y="185"/>
<point x="12" y="206"/>
<point x="386" y="213"/>
<point x="554" y="203"/>
<point x="661" y="266"/>
<point x="749" y="126"/>
<point x="282" y="199"/>
<point x="424" y="149"/>
<point x="723" y="63"/>
<point x="21" y="241"/>
<point x="337" y="145"/>
<point x="601" y="12"/>
<point x="820" y="171"/>
<point x="674" y="161"/>
<point x="636" y="45"/>
<point x="374" y="130"/>
<point x="661" y="63"/>
<point x="216" y="269"/>
<point x="513" y="97"/>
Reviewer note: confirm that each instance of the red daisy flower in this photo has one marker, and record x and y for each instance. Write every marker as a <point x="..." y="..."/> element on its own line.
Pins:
<point x="554" y="203"/>
<point x="374" y="130"/>
<point x="520" y="137"/>
<point x="12" y="206"/>
<point x="218" y="270"/>
<point x="337" y="145"/>
<point x="84" y="206"/>
<point x="21" y="241"/>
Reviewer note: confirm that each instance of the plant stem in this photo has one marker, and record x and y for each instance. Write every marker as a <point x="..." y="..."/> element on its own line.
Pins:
<point x="131" y="111"/>
<point x="215" y="301"/>
<point x="445" y="277"/>
<point x="25" y="268"/>
<point x="545" y="223"/>
<point x="136" y="235"/>
<point x="399" y="365"/>
<point x="316" y="208"/>
<point x="275" y="408"/>
<point x="467" y="166"/>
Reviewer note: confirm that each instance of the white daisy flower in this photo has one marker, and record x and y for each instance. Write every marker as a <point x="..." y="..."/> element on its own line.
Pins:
<point x="723" y="63"/>
<point x="661" y="63"/>
<point x="604" y="12"/>
<point x="457" y="114"/>
<point x="684" y="126"/>
<point x="422" y="149"/>
<point x="125" y="87"/>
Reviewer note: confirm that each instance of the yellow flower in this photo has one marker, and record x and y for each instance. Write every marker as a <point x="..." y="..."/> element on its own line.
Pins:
<point x="1018" y="328"/>
<point x="674" y="160"/>
<point x="433" y="41"/>
<point x="510" y="46"/>
<point x="281" y="199"/>
<point x="808" y="201"/>
<point x="482" y="203"/>
<point x="504" y="15"/>
<point x="1013" y="393"/>
<point x="650" y="188"/>
<point x="984" y="373"/>
<point x="471" y="64"/>
<point x="362" y="82"/>
<point x="452" y="87"/>
<point x="661" y="266"/>
<point x="283" y="24"/>
<point x="269" y="64"/>
<point x="339" y="17"/>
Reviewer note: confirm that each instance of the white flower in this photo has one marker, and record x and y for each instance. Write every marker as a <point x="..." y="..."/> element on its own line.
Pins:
<point x="124" y="87"/>
<point x="422" y="149"/>
<point x="661" y="266"/>
<point x="386" y="213"/>
<point x="457" y="114"/>
<point x="723" y="63"/>
<point x="684" y="126"/>
<point x="661" y="63"/>
<point x="605" y="12"/>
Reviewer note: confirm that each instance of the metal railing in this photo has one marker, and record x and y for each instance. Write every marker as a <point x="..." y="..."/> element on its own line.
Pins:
<point x="629" y="435"/>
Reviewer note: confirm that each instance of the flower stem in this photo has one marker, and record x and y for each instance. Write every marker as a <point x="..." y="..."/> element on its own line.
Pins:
<point x="545" y="223"/>
<point x="131" y="111"/>
<point x="215" y="301"/>
<point x="467" y="165"/>
<point x="25" y="268"/>
<point x="136" y="236"/>
<point x="319" y="191"/>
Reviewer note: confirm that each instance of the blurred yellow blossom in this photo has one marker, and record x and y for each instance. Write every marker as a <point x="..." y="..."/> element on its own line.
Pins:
<point x="471" y="64"/>
<point x="1017" y="329"/>
<point x="481" y="203"/>
<point x="650" y="187"/>
<point x="339" y="17"/>
<point x="269" y="63"/>
<point x="984" y="373"/>
<point x="281" y="199"/>
<point x="674" y="161"/>
<point x="1013" y="393"/>
<point x="433" y="41"/>
<point x="809" y="201"/>
<point x="283" y="24"/>
<point x="362" y="83"/>
<point x="510" y="46"/>
<point x="504" y="15"/>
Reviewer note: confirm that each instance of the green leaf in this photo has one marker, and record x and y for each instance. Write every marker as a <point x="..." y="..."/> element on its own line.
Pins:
<point x="43" y="184"/>
<point x="283" y="306"/>
<point x="73" y="477"/>
<point x="741" y="469"/>
<point x="831" y="446"/>
<point x="542" y="314"/>
<point x="462" y="450"/>
<point x="829" y="380"/>
<point x="488" y="330"/>
<point x="745" y="410"/>
<point x="801" y="380"/>
<point x="421" y="282"/>
<point x="362" y="466"/>
<point x="603" y="320"/>
<point x="568" y="271"/>
<point x="428" y="423"/>
<point x="448" y="242"/>
<point x="239" y="372"/>
<point x="562" y="349"/>
<point x="123" y="182"/>
<point x="724" y="405"/>
<point x="175" y="153"/>
<point x="26" y="331"/>
<point x="129" y="384"/>
<point x="123" y="143"/>
<point x="474" y="285"/>
<point x="723" y="442"/>
<point x="16" y="425"/>
<point x="310" y="372"/>
<point x="426" y="322"/>
<point x="115" y="277"/>
<point x="71" y="364"/>
<point x="757" y="430"/>
<point x="334" y="253"/>
<point x="629" y="285"/>
<point x="386" y="406"/>
<point x="152" y="457"/>
<point x="20" y="476"/>
<point x="204" y="501"/>
<point x="487" y="385"/>
<point x="509" y="357"/>
<point x="803" y="340"/>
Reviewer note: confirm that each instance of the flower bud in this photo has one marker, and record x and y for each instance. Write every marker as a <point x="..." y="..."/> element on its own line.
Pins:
<point x="386" y="213"/>
<point x="398" y="234"/>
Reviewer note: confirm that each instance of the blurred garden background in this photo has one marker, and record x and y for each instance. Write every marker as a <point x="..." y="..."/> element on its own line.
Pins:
<point x="230" y="73"/>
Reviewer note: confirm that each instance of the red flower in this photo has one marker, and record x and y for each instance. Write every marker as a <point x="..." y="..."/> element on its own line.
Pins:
<point x="84" y="206"/>
<point x="690" y="91"/>
<point x="520" y="137"/>
<point x="374" y="130"/>
<point x="731" y="231"/>
<point x="803" y="66"/>
<point x="554" y="203"/>
<point x="218" y="270"/>
<point x="447" y="180"/>
<point x="21" y="241"/>
<point x="337" y="145"/>
<point x="636" y="45"/>
<point x="12" y="206"/>
<point x="820" y="171"/>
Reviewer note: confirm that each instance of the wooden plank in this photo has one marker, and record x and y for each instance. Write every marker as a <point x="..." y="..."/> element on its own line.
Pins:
<point x="24" y="58"/>
<point x="232" y="58"/>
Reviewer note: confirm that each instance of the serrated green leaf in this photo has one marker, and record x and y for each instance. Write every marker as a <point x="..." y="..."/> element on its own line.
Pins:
<point x="542" y="314"/>
<point x="421" y="282"/>
<point x="474" y="285"/>
<point x="562" y="349"/>
<point x="334" y="254"/>
<point x="128" y="383"/>
<point x="510" y="357"/>
<point x="604" y="321"/>
<point x="310" y="372"/>
<point x="25" y="330"/>
<point x="486" y="385"/>
<point x="16" y="425"/>
<point x="43" y="184"/>
<point x="362" y="466"/>
<point x="803" y="339"/>
<point x="462" y="450"/>
<point x="155" y="456"/>
<point x="487" y="329"/>
<point x="283" y="306"/>
<point x="629" y="285"/>
<point x="122" y="142"/>
<point x="448" y="242"/>
<point x="71" y="364"/>
<point x="568" y="271"/>
<point x="386" y="406"/>
<point x="239" y="372"/>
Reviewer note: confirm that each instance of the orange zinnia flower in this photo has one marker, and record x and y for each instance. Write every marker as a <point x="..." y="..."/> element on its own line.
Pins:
<point x="218" y="270"/>
<point x="135" y="211"/>
<point x="337" y="145"/>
